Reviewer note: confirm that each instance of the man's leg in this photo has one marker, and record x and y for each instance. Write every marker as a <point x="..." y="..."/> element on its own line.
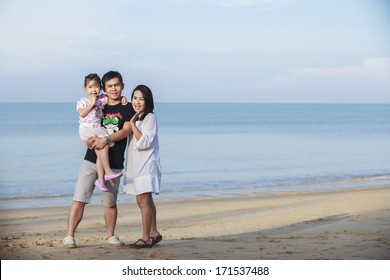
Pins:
<point x="111" y="210"/>
<point x="75" y="216"/>
<point x="82" y="195"/>
<point x="110" y="217"/>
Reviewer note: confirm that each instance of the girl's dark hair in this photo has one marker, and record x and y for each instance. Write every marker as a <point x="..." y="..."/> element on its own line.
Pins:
<point x="92" y="77"/>
<point x="148" y="97"/>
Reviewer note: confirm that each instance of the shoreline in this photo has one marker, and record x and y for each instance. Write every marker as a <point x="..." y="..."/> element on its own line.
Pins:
<point x="378" y="181"/>
<point x="344" y="224"/>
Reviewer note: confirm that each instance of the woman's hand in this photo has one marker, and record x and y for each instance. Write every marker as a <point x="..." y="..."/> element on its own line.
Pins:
<point x="134" y="118"/>
<point x="136" y="132"/>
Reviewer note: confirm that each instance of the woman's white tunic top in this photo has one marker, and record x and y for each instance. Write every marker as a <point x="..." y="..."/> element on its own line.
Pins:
<point x="143" y="171"/>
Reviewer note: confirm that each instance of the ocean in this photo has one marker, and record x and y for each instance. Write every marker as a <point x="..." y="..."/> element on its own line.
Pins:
<point x="207" y="149"/>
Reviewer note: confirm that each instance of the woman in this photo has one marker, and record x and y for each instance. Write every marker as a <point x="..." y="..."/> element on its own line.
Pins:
<point x="143" y="171"/>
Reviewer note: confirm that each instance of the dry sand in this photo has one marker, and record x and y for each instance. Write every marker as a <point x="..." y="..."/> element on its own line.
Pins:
<point x="348" y="225"/>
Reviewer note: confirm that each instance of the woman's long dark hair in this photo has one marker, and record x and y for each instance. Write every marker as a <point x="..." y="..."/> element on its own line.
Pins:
<point x="148" y="98"/>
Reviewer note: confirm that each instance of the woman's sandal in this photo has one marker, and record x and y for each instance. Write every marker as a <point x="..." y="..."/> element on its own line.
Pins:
<point x="156" y="239"/>
<point x="143" y="244"/>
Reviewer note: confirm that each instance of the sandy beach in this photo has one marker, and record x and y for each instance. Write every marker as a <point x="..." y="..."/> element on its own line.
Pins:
<point x="336" y="225"/>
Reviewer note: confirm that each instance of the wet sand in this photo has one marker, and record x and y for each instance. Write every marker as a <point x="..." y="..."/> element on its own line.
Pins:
<point x="333" y="225"/>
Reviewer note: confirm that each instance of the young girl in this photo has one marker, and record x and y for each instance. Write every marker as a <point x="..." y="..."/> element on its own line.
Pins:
<point x="143" y="171"/>
<point x="90" y="110"/>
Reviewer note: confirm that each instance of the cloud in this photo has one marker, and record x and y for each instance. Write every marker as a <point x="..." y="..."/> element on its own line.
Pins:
<point x="266" y="4"/>
<point x="375" y="70"/>
<point x="222" y="46"/>
<point x="366" y="82"/>
<point x="41" y="35"/>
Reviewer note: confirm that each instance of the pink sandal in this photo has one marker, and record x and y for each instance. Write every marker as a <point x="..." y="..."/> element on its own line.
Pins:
<point x="112" y="176"/>
<point x="100" y="186"/>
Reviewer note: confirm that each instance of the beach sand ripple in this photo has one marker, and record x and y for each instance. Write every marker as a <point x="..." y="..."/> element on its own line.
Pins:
<point x="353" y="224"/>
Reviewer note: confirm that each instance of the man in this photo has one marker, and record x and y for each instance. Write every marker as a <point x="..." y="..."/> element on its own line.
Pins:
<point x="117" y="122"/>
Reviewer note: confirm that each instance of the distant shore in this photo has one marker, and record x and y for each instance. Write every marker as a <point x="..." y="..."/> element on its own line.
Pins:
<point x="345" y="224"/>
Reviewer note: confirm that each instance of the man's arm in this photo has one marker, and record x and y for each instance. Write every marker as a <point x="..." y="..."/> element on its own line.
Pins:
<point x="123" y="133"/>
<point x="100" y="143"/>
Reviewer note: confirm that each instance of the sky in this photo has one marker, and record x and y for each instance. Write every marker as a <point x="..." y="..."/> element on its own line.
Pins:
<point x="278" y="51"/>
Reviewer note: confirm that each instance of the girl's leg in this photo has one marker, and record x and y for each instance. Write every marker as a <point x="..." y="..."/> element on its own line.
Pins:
<point x="102" y="157"/>
<point x="99" y="168"/>
<point x="144" y="204"/>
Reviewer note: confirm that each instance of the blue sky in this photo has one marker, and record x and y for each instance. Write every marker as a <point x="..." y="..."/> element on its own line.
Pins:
<point x="329" y="51"/>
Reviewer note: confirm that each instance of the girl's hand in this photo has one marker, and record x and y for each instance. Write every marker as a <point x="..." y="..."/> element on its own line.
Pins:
<point x="93" y="99"/>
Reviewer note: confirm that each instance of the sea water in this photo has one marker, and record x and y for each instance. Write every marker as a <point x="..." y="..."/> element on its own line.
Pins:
<point x="206" y="149"/>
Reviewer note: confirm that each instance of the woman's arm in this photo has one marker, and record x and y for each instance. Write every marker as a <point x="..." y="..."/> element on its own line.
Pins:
<point x="145" y="138"/>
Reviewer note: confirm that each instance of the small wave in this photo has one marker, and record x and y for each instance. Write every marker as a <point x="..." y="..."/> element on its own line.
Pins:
<point x="346" y="180"/>
<point x="194" y="188"/>
<point x="33" y="197"/>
